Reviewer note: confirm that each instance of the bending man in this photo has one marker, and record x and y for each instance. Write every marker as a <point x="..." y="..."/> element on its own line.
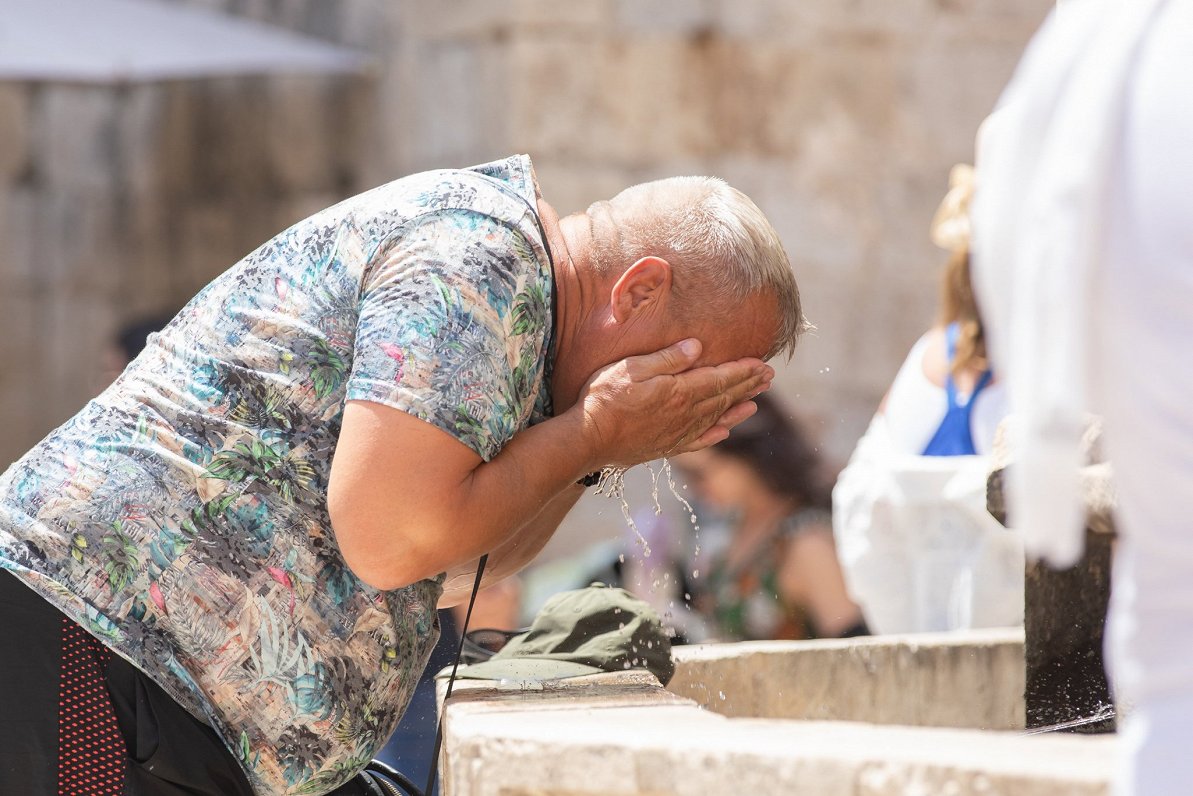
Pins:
<point x="263" y="512"/>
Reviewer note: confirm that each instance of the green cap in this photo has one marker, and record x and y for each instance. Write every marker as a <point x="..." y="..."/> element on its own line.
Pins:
<point x="586" y="631"/>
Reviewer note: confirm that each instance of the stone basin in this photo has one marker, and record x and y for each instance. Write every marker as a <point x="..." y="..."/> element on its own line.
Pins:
<point x="927" y="714"/>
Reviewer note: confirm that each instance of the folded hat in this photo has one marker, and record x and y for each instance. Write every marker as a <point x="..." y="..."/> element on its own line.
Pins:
<point x="586" y="631"/>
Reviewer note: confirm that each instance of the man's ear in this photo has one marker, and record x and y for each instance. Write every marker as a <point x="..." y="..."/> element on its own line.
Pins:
<point x="645" y="286"/>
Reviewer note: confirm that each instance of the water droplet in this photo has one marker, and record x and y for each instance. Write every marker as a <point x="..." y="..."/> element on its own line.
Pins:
<point x="721" y="694"/>
<point x="695" y="573"/>
<point x="621" y="558"/>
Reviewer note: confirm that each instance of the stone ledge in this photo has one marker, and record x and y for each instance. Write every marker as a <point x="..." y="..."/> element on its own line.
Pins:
<point x="626" y="746"/>
<point x="881" y="679"/>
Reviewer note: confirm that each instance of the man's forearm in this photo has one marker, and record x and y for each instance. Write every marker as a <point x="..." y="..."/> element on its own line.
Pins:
<point x="444" y="507"/>
<point x="514" y="554"/>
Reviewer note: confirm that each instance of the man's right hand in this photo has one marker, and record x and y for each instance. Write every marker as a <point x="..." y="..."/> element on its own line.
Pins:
<point x="645" y="407"/>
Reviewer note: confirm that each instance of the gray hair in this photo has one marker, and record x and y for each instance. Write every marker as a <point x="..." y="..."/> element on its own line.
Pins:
<point x="716" y="240"/>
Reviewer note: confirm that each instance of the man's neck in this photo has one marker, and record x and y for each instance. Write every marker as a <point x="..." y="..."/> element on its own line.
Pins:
<point x="569" y="253"/>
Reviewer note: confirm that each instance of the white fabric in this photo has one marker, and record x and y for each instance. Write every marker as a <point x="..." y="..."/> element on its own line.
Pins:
<point x="106" y="41"/>
<point x="915" y="406"/>
<point x="917" y="546"/>
<point x="1131" y="208"/>
<point x="1038" y="215"/>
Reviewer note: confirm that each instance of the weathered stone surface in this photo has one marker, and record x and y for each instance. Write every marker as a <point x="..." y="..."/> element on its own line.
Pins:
<point x="455" y="107"/>
<point x="75" y="136"/>
<point x="14" y="131"/>
<point x="810" y="23"/>
<point x="841" y="117"/>
<point x="665" y="16"/>
<point x="1065" y="610"/>
<point x="298" y="130"/>
<point x="549" y="16"/>
<point x="626" y="740"/>
<point x="972" y="679"/>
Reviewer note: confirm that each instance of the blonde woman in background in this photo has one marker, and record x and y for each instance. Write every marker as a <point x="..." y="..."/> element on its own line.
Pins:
<point x="919" y="550"/>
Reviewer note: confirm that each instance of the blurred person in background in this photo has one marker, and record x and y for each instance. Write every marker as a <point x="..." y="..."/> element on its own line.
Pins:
<point x="920" y="550"/>
<point x="776" y="575"/>
<point x="945" y="399"/>
<point x="128" y="341"/>
<point x="224" y="571"/>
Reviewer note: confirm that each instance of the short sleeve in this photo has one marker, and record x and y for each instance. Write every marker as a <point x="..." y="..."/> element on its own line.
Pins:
<point x="453" y="325"/>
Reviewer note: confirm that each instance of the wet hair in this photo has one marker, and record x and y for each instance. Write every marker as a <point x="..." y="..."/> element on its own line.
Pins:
<point x="722" y="249"/>
<point x="782" y="454"/>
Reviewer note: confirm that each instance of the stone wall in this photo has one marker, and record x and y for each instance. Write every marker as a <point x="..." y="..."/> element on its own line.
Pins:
<point x="840" y="117"/>
<point x="121" y="202"/>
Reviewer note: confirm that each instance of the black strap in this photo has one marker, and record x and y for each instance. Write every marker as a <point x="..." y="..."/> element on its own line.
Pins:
<point x="476" y="586"/>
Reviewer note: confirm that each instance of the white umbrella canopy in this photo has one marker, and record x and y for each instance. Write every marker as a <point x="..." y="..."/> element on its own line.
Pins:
<point x="116" y="41"/>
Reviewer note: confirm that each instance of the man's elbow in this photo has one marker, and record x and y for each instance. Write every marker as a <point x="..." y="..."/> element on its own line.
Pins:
<point x="382" y="578"/>
<point x="384" y="559"/>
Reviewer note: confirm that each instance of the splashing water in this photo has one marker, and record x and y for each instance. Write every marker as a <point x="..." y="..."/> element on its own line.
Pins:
<point x="612" y="485"/>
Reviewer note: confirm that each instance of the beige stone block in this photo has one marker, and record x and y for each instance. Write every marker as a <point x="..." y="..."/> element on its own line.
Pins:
<point x="180" y="127"/>
<point x="570" y="186"/>
<point x="457" y="19"/>
<point x="229" y="151"/>
<point x="71" y="242"/>
<point x="559" y="743"/>
<point x="973" y="679"/>
<point x="207" y="245"/>
<point x="19" y="218"/>
<point x="138" y="155"/>
<point x="953" y="86"/>
<point x="149" y="257"/>
<point x="20" y="370"/>
<point x="72" y="330"/>
<point x="300" y="206"/>
<point x="1013" y="21"/>
<point x="74" y="136"/>
<point x="299" y="119"/>
<point x="15" y="124"/>
<point x="664" y="17"/>
<point x="812" y="22"/>
<point x="457" y="105"/>
<point x="632" y="102"/>
<point x="369" y="25"/>
<point x="590" y="18"/>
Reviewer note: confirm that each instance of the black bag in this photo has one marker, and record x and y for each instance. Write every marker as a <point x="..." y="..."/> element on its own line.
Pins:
<point x="378" y="779"/>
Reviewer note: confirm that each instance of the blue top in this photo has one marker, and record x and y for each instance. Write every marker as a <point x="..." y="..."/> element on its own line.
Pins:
<point x="953" y="436"/>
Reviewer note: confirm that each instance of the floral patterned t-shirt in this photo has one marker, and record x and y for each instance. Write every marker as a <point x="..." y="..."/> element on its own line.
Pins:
<point x="181" y="516"/>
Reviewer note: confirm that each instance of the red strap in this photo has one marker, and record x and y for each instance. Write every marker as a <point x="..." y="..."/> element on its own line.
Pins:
<point x="91" y="751"/>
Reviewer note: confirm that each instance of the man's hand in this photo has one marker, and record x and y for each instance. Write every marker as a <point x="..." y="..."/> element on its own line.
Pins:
<point x="408" y="501"/>
<point x="649" y="406"/>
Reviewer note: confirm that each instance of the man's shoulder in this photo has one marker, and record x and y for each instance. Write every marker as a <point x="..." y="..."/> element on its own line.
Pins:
<point x="503" y="189"/>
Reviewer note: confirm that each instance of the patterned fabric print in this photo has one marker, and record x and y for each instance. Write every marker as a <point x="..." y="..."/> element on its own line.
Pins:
<point x="181" y="516"/>
<point x="91" y="753"/>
